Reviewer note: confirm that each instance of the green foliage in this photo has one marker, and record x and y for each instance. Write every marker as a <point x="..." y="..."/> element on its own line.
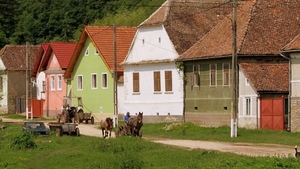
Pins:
<point x="127" y="152"/>
<point x="25" y="140"/>
<point x="42" y="21"/>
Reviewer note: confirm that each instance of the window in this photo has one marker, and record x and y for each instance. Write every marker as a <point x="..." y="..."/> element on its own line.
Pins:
<point x="168" y="81"/>
<point x="94" y="81"/>
<point x="96" y="51"/>
<point x="226" y="74"/>
<point x="247" y="82"/>
<point x="156" y="80"/>
<point x="86" y="53"/>
<point x="195" y="79"/>
<point x="52" y="83"/>
<point x="136" y="82"/>
<point x="44" y="86"/>
<point x="248" y="105"/>
<point x="213" y="74"/>
<point x="104" y="80"/>
<point x="59" y="82"/>
<point x="79" y="82"/>
<point x="1" y="84"/>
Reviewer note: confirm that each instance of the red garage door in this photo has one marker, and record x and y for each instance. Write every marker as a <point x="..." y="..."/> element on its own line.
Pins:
<point x="272" y="113"/>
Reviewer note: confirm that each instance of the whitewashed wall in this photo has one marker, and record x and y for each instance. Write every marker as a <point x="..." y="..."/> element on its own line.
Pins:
<point x="40" y="77"/>
<point x="147" y="101"/>
<point x="3" y="100"/>
<point x="295" y="75"/>
<point x="251" y="121"/>
<point x="152" y="45"/>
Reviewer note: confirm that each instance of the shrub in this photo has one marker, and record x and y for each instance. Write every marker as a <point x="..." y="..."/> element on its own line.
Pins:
<point x="23" y="141"/>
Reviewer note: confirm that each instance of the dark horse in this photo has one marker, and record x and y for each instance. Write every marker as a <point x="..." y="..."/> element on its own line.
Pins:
<point x="135" y="124"/>
<point x="106" y="126"/>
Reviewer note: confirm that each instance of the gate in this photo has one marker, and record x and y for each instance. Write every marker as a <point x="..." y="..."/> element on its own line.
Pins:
<point x="272" y="113"/>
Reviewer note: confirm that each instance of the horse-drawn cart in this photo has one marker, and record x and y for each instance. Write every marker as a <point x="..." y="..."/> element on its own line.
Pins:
<point x="60" y="128"/>
<point x="133" y="128"/>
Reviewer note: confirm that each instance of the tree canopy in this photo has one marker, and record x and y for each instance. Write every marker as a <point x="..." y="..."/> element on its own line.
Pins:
<point x="42" y="21"/>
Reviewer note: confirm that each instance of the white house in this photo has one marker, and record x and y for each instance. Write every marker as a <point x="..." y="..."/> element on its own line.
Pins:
<point x="153" y="81"/>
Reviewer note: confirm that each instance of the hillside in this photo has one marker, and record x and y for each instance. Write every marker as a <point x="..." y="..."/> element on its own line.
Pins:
<point x="39" y="21"/>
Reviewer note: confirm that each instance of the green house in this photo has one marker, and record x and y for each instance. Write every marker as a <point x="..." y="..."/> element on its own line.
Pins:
<point x="90" y="73"/>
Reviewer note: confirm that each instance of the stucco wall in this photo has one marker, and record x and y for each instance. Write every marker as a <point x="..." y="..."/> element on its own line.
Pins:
<point x="208" y="119"/>
<point x="251" y="121"/>
<point x="151" y="103"/>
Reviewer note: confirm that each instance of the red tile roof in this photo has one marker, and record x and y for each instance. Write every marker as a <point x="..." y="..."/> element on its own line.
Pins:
<point x="103" y="39"/>
<point x="14" y="56"/>
<point x="188" y="21"/>
<point x="267" y="77"/>
<point x="263" y="28"/>
<point x="293" y="45"/>
<point x="62" y="50"/>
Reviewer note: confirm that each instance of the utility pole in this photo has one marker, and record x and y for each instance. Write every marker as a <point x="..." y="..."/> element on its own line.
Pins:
<point x="115" y="78"/>
<point x="28" y="91"/>
<point x="234" y="100"/>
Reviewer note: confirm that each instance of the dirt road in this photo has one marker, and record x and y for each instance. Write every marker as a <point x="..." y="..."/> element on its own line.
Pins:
<point x="238" y="148"/>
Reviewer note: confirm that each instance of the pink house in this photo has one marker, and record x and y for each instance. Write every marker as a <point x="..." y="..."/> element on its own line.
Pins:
<point x="48" y="71"/>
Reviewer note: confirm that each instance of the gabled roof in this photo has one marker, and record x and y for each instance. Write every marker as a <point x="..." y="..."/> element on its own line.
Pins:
<point x="188" y="21"/>
<point x="103" y="39"/>
<point x="294" y="45"/>
<point x="267" y="77"/>
<point x="62" y="50"/>
<point x="14" y="56"/>
<point x="263" y="28"/>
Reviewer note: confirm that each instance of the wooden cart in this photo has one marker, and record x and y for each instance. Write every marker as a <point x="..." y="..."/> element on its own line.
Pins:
<point x="68" y="128"/>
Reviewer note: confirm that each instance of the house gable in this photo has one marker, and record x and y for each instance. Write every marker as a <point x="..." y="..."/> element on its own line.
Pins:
<point x="2" y="66"/>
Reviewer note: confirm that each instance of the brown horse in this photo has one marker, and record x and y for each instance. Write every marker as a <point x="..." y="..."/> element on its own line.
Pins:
<point x="135" y="124"/>
<point x="106" y="126"/>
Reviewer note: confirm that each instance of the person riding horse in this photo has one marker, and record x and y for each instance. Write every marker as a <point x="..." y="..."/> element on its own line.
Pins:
<point x="126" y="118"/>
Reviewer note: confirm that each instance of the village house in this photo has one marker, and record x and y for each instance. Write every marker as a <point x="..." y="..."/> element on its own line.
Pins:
<point x="292" y="52"/>
<point x="94" y="73"/>
<point x="262" y="72"/>
<point x="48" y="70"/>
<point x="13" y="69"/>
<point x="153" y="83"/>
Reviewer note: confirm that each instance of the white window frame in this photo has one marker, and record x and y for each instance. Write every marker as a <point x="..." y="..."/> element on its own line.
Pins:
<point x="228" y="74"/>
<point x="248" y="106"/>
<point x="210" y="74"/>
<point x="96" y="51"/>
<point x="86" y="53"/>
<point x="52" y="83"/>
<point x="59" y="82"/>
<point x="94" y="81"/>
<point x="79" y="82"/>
<point x="196" y="75"/>
<point x="104" y="81"/>
<point x="157" y="82"/>
<point x="247" y="82"/>
<point x="169" y="80"/>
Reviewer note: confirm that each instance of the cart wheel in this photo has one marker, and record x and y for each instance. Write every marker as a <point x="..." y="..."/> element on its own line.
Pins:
<point x="92" y="120"/>
<point x="77" y="132"/>
<point x="58" y="132"/>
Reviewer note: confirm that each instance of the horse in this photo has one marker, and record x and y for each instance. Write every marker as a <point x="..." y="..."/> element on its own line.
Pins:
<point x="135" y="124"/>
<point x="106" y="126"/>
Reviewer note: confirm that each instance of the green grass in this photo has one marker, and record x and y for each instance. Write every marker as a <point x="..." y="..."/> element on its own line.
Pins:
<point x="22" y="117"/>
<point x="134" y="153"/>
<point x="222" y="134"/>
